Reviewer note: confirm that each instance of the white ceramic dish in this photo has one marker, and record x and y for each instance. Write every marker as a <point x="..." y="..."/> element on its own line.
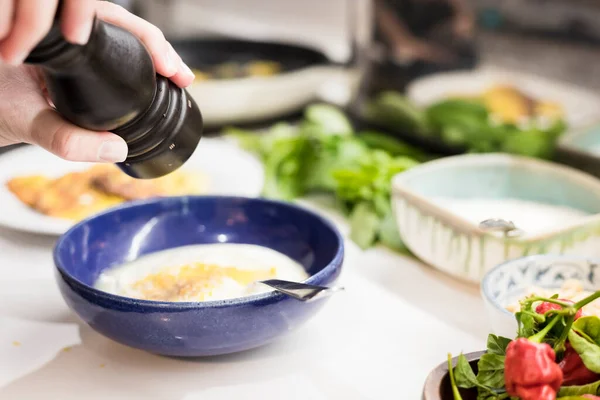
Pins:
<point x="581" y="107"/>
<point x="231" y="171"/>
<point x="252" y="99"/>
<point x="459" y="247"/>
<point x="508" y="282"/>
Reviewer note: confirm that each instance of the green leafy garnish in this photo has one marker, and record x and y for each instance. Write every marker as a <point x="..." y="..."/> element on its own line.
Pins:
<point x="491" y="370"/>
<point x="464" y="125"/>
<point x="497" y="344"/>
<point x="465" y="377"/>
<point x="455" y="391"/>
<point x="585" y="339"/>
<point x="592" y="388"/>
<point x="323" y="154"/>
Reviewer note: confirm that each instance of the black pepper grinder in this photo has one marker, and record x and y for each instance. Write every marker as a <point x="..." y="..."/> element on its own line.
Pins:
<point x="110" y="84"/>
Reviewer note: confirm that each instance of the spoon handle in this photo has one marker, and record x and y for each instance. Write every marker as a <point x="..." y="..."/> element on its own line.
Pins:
<point x="302" y="291"/>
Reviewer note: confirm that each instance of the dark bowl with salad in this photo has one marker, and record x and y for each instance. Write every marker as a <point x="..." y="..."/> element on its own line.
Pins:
<point x="438" y="385"/>
<point x="555" y="355"/>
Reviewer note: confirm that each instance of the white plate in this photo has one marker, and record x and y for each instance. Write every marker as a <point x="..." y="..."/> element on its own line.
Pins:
<point x="581" y="107"/>
<point x="231" y="171"/>
<point x="252" y="99"/>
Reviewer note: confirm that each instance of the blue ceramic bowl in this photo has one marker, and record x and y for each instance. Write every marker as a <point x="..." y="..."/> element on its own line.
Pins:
<point x="194" y="329"/>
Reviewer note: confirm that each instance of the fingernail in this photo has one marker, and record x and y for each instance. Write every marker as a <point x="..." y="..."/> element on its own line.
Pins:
<point x="82" y="34"/>
<point x="172" y="60"/>
<point x="187" y="71"/>
<point x="113" y="151"/>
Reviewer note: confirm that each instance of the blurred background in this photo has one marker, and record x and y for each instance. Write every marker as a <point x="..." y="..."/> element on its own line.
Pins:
<point x="389" y="43"/>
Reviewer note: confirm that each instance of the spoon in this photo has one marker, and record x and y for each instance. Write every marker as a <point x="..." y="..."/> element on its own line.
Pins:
<point x="301" y="291"/>
<point x="497" y="224"/>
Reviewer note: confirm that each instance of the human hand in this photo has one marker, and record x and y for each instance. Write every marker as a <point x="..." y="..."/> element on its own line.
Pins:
<point x="417" y="49"/>
<point x="25" y="114"/>
<point x="463" y="25"/>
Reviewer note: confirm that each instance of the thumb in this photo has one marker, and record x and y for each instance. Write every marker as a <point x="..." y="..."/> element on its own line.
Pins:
<point x="50" y="131"/>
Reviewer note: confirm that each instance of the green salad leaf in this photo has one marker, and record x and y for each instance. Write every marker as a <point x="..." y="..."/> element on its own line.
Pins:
<point x="323" y="154"/>
<point x="585" y="339"/>
<point x="464" y="124"/>
<point x="464" y="375"/>
<point x="491" y="370"/>
<point x="497" y="344"/>
<point x="328" y="119"/>
<point x="592" y="388"/>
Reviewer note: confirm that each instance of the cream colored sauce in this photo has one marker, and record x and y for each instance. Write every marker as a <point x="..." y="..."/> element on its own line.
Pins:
<point x="200" y="273"/>
<point x="529" y="216"/>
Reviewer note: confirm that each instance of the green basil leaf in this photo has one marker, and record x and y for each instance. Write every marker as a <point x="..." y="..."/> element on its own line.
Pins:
<point x="464" y="375"/>
<point x="497" y="344"/>
<point x="487" y="395"/>
<point x="328" y="119"/>
<point x="585" y="339"/>
<point x="591" y="388"/>
<point x="527" y="320"/>
<point x="491" y="370"/>
<point x="364" y="223"/>
<point x="527" y="324"/>
<point x="572" y="398"/>
<point x="590" y="326"/>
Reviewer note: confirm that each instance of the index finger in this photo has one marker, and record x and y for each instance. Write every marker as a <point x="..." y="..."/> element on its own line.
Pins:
<point x="76" y="20"/>
<point x="166" y="60"/>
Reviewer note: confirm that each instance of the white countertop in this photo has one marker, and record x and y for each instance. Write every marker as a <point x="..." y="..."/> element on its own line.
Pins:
<point x="378" y="340"/>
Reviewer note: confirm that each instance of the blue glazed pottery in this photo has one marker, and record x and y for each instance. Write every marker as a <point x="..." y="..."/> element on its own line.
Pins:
<point x="194" y="329"/>
<point x="508" y="282"/>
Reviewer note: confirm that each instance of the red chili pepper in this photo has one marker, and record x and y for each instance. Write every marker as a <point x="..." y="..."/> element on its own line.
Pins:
<point x="574" y="370"/>
<point x="530" y="371"/>
<point x="545" y="306"/>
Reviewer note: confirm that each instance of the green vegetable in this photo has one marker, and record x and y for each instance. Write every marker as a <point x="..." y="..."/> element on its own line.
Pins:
<point x="464" y="375"/>
<point x="490" y="370"/>
<point x="455" y="391"/>
<point x="369" y="182"/>
<point x="284" y="166"/>
<point x="329" y="119"/>
<point x="532" y="142"/>
<point x="389" y="235"/>
<point x="489" y="380"/>
<point x="330" y="154"/>
<point x="592" y="388"/>
<point x="392" y="146"/>
<point x="364" y="223"/>
<point x="394" y="110"/>
<point x="465" y="378"/>
<point x="321" y="154"/>
<point x="552" y="328"/>
<point x="497" y="344"/>
<point x="585" y="339"/>
<point x="527" y="319"/>
<point x="465" y="114"/>
<point x="464" y="124"/>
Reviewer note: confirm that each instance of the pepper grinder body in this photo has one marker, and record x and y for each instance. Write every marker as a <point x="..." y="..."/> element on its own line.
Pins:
<point x="110" y="84"/>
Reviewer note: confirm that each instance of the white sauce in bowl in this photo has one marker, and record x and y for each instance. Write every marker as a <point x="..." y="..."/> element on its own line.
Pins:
<point x="529" y="216"/>
<point x="200" y="273"/>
